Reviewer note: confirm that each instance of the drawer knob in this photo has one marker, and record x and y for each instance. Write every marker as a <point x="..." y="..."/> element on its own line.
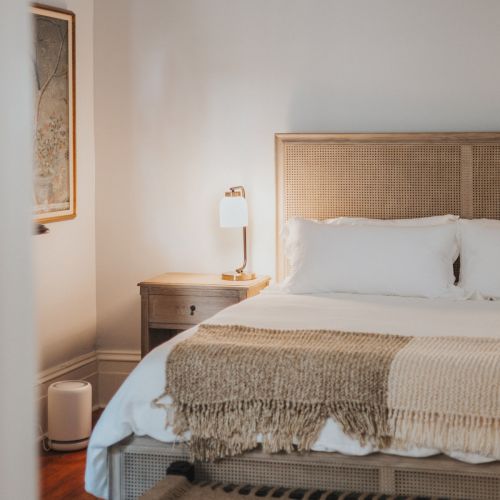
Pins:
<point x="192" y="309"/>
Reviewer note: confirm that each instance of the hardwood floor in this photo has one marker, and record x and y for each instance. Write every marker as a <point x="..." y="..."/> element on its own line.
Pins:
<point x="61" y="473"/>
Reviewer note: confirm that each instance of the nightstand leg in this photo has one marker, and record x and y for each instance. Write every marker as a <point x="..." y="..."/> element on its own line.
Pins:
<point x="145" y="339"/>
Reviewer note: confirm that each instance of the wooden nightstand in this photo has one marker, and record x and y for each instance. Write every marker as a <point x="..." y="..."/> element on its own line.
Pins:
<point x="174" y="302"/>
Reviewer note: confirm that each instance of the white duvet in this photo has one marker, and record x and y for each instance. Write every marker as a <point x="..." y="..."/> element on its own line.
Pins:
<point x="130" y="410"/>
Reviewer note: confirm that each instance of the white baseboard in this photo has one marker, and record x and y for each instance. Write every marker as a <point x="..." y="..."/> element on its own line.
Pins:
<point x="113" y="355"/>
<point x="114" y="367"/>
<point x="104" y="369"/>
<point x="53" y="373"/>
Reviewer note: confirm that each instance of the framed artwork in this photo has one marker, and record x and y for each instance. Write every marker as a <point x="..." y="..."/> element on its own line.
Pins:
<point x="54" y="176"/>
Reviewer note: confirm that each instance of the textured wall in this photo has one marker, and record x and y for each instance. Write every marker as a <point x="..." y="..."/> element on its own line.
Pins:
<point x="189" y="94"/>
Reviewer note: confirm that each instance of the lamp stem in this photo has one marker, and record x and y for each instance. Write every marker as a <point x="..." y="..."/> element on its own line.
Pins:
<point x="239" y="274"/>
<point x="240" y="269"/>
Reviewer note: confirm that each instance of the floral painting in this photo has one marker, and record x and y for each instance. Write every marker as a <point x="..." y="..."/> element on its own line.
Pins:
<point x="54" y="189"/>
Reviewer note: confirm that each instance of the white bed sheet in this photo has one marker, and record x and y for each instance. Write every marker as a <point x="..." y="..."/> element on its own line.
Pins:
<point x="130" y="410"/>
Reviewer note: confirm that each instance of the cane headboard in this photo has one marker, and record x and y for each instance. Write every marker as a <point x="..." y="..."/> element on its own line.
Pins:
<point x="385" y="176"/>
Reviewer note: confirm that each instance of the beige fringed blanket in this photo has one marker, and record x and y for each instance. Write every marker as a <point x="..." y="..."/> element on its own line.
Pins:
<point x="231" y="383"/>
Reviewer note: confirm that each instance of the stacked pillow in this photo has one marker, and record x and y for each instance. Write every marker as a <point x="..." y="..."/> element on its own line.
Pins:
<point x="407" y="257"/>
<point x="480" y="257"/>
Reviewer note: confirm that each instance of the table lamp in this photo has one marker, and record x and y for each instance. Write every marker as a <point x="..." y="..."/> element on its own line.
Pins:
<point x="233" y="212"/>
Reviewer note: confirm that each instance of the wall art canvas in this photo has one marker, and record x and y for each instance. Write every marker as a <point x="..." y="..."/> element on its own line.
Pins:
<point x="54" y="176"/>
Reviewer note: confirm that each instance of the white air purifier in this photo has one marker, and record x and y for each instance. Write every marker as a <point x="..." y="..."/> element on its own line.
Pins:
<point x="70" y="414"/>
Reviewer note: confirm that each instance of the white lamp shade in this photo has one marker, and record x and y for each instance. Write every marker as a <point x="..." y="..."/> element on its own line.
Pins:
<point x="233" y="211"/>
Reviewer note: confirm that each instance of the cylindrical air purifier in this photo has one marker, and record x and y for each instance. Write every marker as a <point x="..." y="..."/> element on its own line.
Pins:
<point x="70" y="414"/>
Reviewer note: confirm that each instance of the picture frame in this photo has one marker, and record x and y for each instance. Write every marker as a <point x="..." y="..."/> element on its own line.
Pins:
<point x="54" y="165"/>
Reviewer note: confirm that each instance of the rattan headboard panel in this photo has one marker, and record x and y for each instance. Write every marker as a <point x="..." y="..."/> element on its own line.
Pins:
<point x="486" y="181"/>
<point x="385" y="176"/>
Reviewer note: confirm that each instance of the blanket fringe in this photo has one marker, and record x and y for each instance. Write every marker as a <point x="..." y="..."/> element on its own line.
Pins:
<point x="230" y="428"/>
<point x="168" y="407"/>
<point x="469" y="434"/>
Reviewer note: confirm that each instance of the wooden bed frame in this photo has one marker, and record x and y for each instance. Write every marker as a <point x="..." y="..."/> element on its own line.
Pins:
<point x="362" y="175"/>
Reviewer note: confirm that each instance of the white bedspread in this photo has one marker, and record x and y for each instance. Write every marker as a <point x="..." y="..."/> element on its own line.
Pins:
<point x="130" y="410"/>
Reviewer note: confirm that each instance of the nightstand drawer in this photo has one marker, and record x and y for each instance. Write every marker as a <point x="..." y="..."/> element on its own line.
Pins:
<point x="174" y="302"/>
<point x="186" y="309"/>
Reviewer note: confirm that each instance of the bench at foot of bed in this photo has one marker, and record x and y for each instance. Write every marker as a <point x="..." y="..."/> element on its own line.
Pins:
<point x="138" y="463"/>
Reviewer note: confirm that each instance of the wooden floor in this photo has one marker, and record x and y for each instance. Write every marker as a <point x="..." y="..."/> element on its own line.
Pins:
<point x="61" y="474"/>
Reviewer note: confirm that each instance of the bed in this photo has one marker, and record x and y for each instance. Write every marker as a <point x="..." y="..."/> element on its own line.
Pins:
<point x="323" y="176"/>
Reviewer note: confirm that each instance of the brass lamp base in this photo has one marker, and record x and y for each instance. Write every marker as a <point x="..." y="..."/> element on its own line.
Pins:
<point x="234" y="276"/>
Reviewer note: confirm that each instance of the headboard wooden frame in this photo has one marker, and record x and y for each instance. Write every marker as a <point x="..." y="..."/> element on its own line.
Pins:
<point x="386" y="176"/>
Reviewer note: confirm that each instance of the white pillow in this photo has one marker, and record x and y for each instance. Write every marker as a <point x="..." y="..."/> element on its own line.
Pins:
<point x="388" y="260"/>
<point x="421" y="221"/>
<point x="480" y="257"/>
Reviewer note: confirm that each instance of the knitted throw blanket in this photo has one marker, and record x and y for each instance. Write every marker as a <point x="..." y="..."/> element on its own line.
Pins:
<point x="231" y="383"/>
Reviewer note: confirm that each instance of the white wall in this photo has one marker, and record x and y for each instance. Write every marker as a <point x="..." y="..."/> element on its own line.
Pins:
<point x="17" y="342"/>
<point x="65" y="257"/>
<point x="189" y="94"/>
